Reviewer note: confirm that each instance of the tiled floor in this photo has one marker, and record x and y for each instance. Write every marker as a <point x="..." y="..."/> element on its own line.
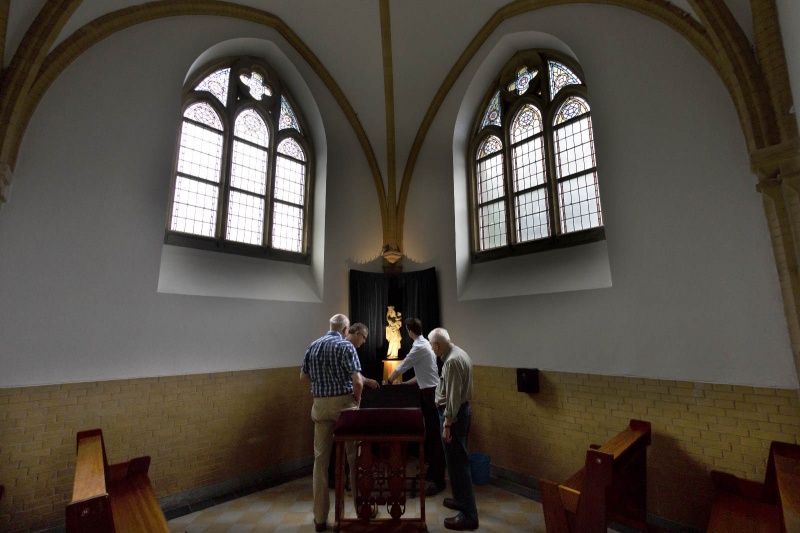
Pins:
<point x="287" y="508"/>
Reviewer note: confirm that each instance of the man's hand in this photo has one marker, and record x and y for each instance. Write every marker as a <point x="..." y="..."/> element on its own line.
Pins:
<point x="358" y="385"/>
<point x="371" y="383"/>
<point x="447" y="435"/>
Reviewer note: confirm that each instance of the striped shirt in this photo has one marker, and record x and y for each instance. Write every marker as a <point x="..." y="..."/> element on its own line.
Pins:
<point x="329" y="362"/>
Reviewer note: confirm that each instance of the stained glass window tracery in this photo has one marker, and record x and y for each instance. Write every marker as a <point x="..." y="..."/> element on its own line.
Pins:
<point x="205" y="114"/>
<point x="491" y="145"/>
<point x="216" y="84"/>
<point x="492" y="115"/>
<point x="571" y="108"/>
<point x="528" y="122"/>
<point x="523" y="81"/>
<point x="560" y="77"/>
<point x="256" y="83"/>
<point x="287" y="120"/>
<point x="250" y="126"/>
<point x="291" y="148"/>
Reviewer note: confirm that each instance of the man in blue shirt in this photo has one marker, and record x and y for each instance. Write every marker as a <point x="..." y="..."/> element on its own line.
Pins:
<point x="331" y="365"/>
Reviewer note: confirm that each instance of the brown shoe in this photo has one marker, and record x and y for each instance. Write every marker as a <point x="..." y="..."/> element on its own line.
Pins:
<point x="320" y="527"/>
<point x="457" y="523"/>
<point x="450" y="503"/>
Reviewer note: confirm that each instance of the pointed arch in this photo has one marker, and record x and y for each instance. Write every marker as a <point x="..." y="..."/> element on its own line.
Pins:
<point x="42" y="68"/>
<point x="744" y="82"/>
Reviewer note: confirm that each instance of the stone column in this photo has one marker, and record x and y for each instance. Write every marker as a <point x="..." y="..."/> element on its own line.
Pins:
<point x="5" y="183"/>
<point x="778" y="171"/>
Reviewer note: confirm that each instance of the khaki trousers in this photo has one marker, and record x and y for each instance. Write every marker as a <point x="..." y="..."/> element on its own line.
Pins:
<point x="325" y="413"/>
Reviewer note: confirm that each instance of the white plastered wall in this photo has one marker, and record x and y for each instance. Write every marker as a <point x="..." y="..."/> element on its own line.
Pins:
<point x="81" y="242"/>
<point x="695" y="294"/>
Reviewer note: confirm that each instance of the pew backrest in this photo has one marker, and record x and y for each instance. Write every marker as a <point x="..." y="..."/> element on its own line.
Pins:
<point x="612" y="485"/>
<point x="107" y="498"/>
<point x="767" y="507"/>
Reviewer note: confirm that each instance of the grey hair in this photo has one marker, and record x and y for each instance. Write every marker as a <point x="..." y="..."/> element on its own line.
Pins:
<point x="439" y="335"/>
<point x="339" y="322"/>
<point x="358" y="326"/>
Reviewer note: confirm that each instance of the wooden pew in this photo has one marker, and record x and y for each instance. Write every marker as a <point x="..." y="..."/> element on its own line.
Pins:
<point x="612" y="486"/>
<point x="771" y="506"/>
<point x="111" y="498"/>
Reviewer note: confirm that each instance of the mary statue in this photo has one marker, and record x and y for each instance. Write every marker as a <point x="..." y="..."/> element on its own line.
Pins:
<point x="394" y="320"/>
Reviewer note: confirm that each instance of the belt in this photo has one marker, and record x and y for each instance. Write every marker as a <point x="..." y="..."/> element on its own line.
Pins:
<point x="426" y="389"/>
<point x="336" y="395"/>
<point x="441" y="407"/>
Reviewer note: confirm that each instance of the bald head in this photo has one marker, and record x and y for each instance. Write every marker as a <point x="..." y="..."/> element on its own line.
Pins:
<point x="440" y="341"/>
<point x="339" y="324"/>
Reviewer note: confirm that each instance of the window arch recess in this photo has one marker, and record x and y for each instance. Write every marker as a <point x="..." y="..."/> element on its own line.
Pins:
<point x="543" y="207"/>
<point x="240" y="214"/>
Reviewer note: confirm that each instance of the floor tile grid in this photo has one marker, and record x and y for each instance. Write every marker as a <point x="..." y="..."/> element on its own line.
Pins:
<point x="287" y="508"/>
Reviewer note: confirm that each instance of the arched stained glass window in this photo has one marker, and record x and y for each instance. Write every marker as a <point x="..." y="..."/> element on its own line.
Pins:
<point x="576" y="167"/>
<point x="248" y="179"/>
<point x="529" y="175"/>
<point x="241" y="178"/>
<point x="491" y="191"/>
<point x="289" y="195"/>
<point x="535" y="187"/>
<point x="198" y="169"/>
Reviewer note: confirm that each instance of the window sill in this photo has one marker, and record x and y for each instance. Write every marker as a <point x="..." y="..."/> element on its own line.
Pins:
<point x="542" y="245"/>
<point x="237" y="248"/>
<point x="196" y="272"/>
<point x="572" y="268"/>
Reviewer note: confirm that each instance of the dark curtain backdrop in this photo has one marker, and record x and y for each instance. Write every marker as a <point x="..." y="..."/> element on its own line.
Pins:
<point x="414" y="294"/>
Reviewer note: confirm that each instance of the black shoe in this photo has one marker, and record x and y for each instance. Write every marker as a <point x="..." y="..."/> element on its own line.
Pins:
<point x="457" y="523"/>
<point x="450" y="503"/>
<point x="432" y="489"/>
<point x="320" y="527"/>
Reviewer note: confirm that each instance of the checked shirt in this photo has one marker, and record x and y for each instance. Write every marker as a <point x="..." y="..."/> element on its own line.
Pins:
<point x="329" y="361"/>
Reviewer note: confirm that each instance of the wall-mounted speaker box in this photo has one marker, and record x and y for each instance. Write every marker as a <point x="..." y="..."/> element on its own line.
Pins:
<point x="527" y="380"/>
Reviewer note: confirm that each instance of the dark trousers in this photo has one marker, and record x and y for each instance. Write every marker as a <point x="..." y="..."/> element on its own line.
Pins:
<point x="458" y="465"/>
<point x="434" y="447"/>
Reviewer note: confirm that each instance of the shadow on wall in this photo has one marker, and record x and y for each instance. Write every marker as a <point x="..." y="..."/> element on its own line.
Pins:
<point x="678" y="486"/>
<point x="545" y="435"/>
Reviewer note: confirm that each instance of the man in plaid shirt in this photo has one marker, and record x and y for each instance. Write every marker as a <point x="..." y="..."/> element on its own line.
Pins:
<point x="331" y="365"/>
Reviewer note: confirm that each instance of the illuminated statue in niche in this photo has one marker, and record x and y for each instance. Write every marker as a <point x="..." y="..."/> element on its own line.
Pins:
<point x="394" y="320"/>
